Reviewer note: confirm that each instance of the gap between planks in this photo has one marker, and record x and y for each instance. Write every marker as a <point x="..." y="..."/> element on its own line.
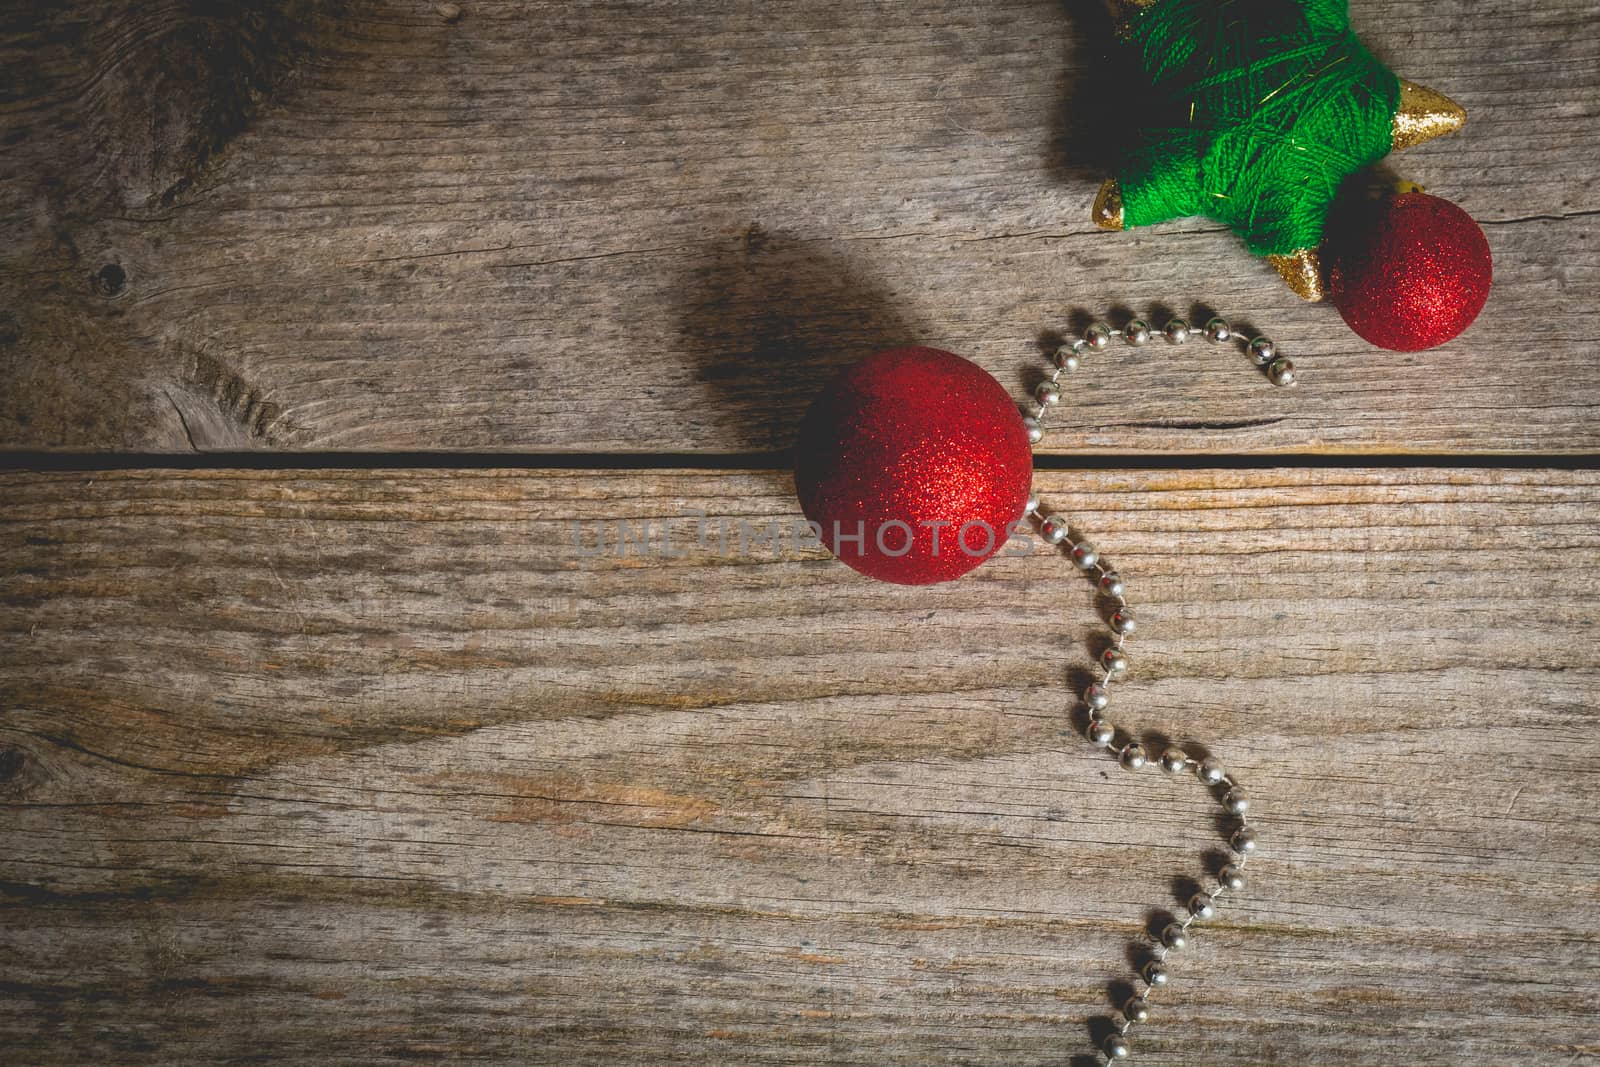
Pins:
<point x="40" y="461"/>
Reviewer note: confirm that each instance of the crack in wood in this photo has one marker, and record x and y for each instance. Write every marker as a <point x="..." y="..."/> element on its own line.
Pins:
<point x="1207" y="424"/>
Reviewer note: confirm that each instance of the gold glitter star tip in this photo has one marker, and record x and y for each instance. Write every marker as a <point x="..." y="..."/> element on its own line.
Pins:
<point x="1423" y="115"/>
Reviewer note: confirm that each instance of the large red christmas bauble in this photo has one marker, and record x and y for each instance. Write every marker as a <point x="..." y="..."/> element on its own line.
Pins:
<point x="915" y="464"/>
<point x="1409" y="273"/>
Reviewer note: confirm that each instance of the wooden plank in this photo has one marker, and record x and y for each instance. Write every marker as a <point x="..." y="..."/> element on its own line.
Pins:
<point x="657" y="226"/>
<point x="376" y="767"/>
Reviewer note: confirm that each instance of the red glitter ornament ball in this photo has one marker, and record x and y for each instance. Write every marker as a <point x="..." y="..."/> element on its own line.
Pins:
<point x="1409" y="273"/>
<point x="915" y="464"/>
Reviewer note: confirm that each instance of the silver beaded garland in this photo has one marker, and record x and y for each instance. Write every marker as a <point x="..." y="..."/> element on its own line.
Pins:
<point x="1113" y="663"/>
<point x="1085" y="555"/>
<point x="1263" y="351"/>
<point x="1236" y="802"/>
<point x="1231" y="877"/>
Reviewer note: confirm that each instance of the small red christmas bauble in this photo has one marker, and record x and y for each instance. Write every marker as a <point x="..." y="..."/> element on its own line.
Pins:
<point x="1409" y="273"/>
<point x="914" y="464"/>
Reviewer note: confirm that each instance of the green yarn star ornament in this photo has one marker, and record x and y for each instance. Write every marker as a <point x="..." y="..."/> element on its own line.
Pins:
<point x="1260" y="109"/>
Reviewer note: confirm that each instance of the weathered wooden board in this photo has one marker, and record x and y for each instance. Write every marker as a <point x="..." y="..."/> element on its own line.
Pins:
<point x="380" y="767"/>
<point x="657" y="226"/>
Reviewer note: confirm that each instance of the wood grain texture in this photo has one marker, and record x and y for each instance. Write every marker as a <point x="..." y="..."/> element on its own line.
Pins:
<point x="380" y="767"/>
<point x="658" y="226"/>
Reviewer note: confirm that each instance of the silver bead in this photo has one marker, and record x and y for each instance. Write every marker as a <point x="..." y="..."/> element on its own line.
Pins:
<point x="1177" y="331"/>
<point x="1175" y="936"/>
<point x="1231" y="876"/>
<point x="1116" y="1047"/>
<point x="1035" y="431"/>
<point x="1211" y="772"/>
<point x="1048" y="393"/>
<point x="1263" y="351"/>
<point x="1133" y="756"/>
<point x="1136" y="1010"/>
<point x="1054" y="529"/>
<point x="1111" y="583"/>
<point x="1122" y="621"/>
<point x="1281" y="372"/>
<point x="1218" y="330"/>
<point x="1114" y="660"/>
<point x="1155" y="974"/>
<point x="1097" y="336"/>
<point x="1236" y="801"/>
<point x="1033" y="505"/>
<point x="1067" y="357"/>
<point x="1174" y="760"/>
<point x="1085" y="555"/>
<point x="1137" y="333"/>
<point x="1097" y="697"/>
<point x="1100" y="733"/>
<point x="1243" y="840"/>
<point x="1201" y="906"/>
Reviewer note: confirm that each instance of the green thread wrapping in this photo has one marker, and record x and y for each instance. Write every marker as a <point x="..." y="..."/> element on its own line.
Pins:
<point x="1261" y="109"/>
